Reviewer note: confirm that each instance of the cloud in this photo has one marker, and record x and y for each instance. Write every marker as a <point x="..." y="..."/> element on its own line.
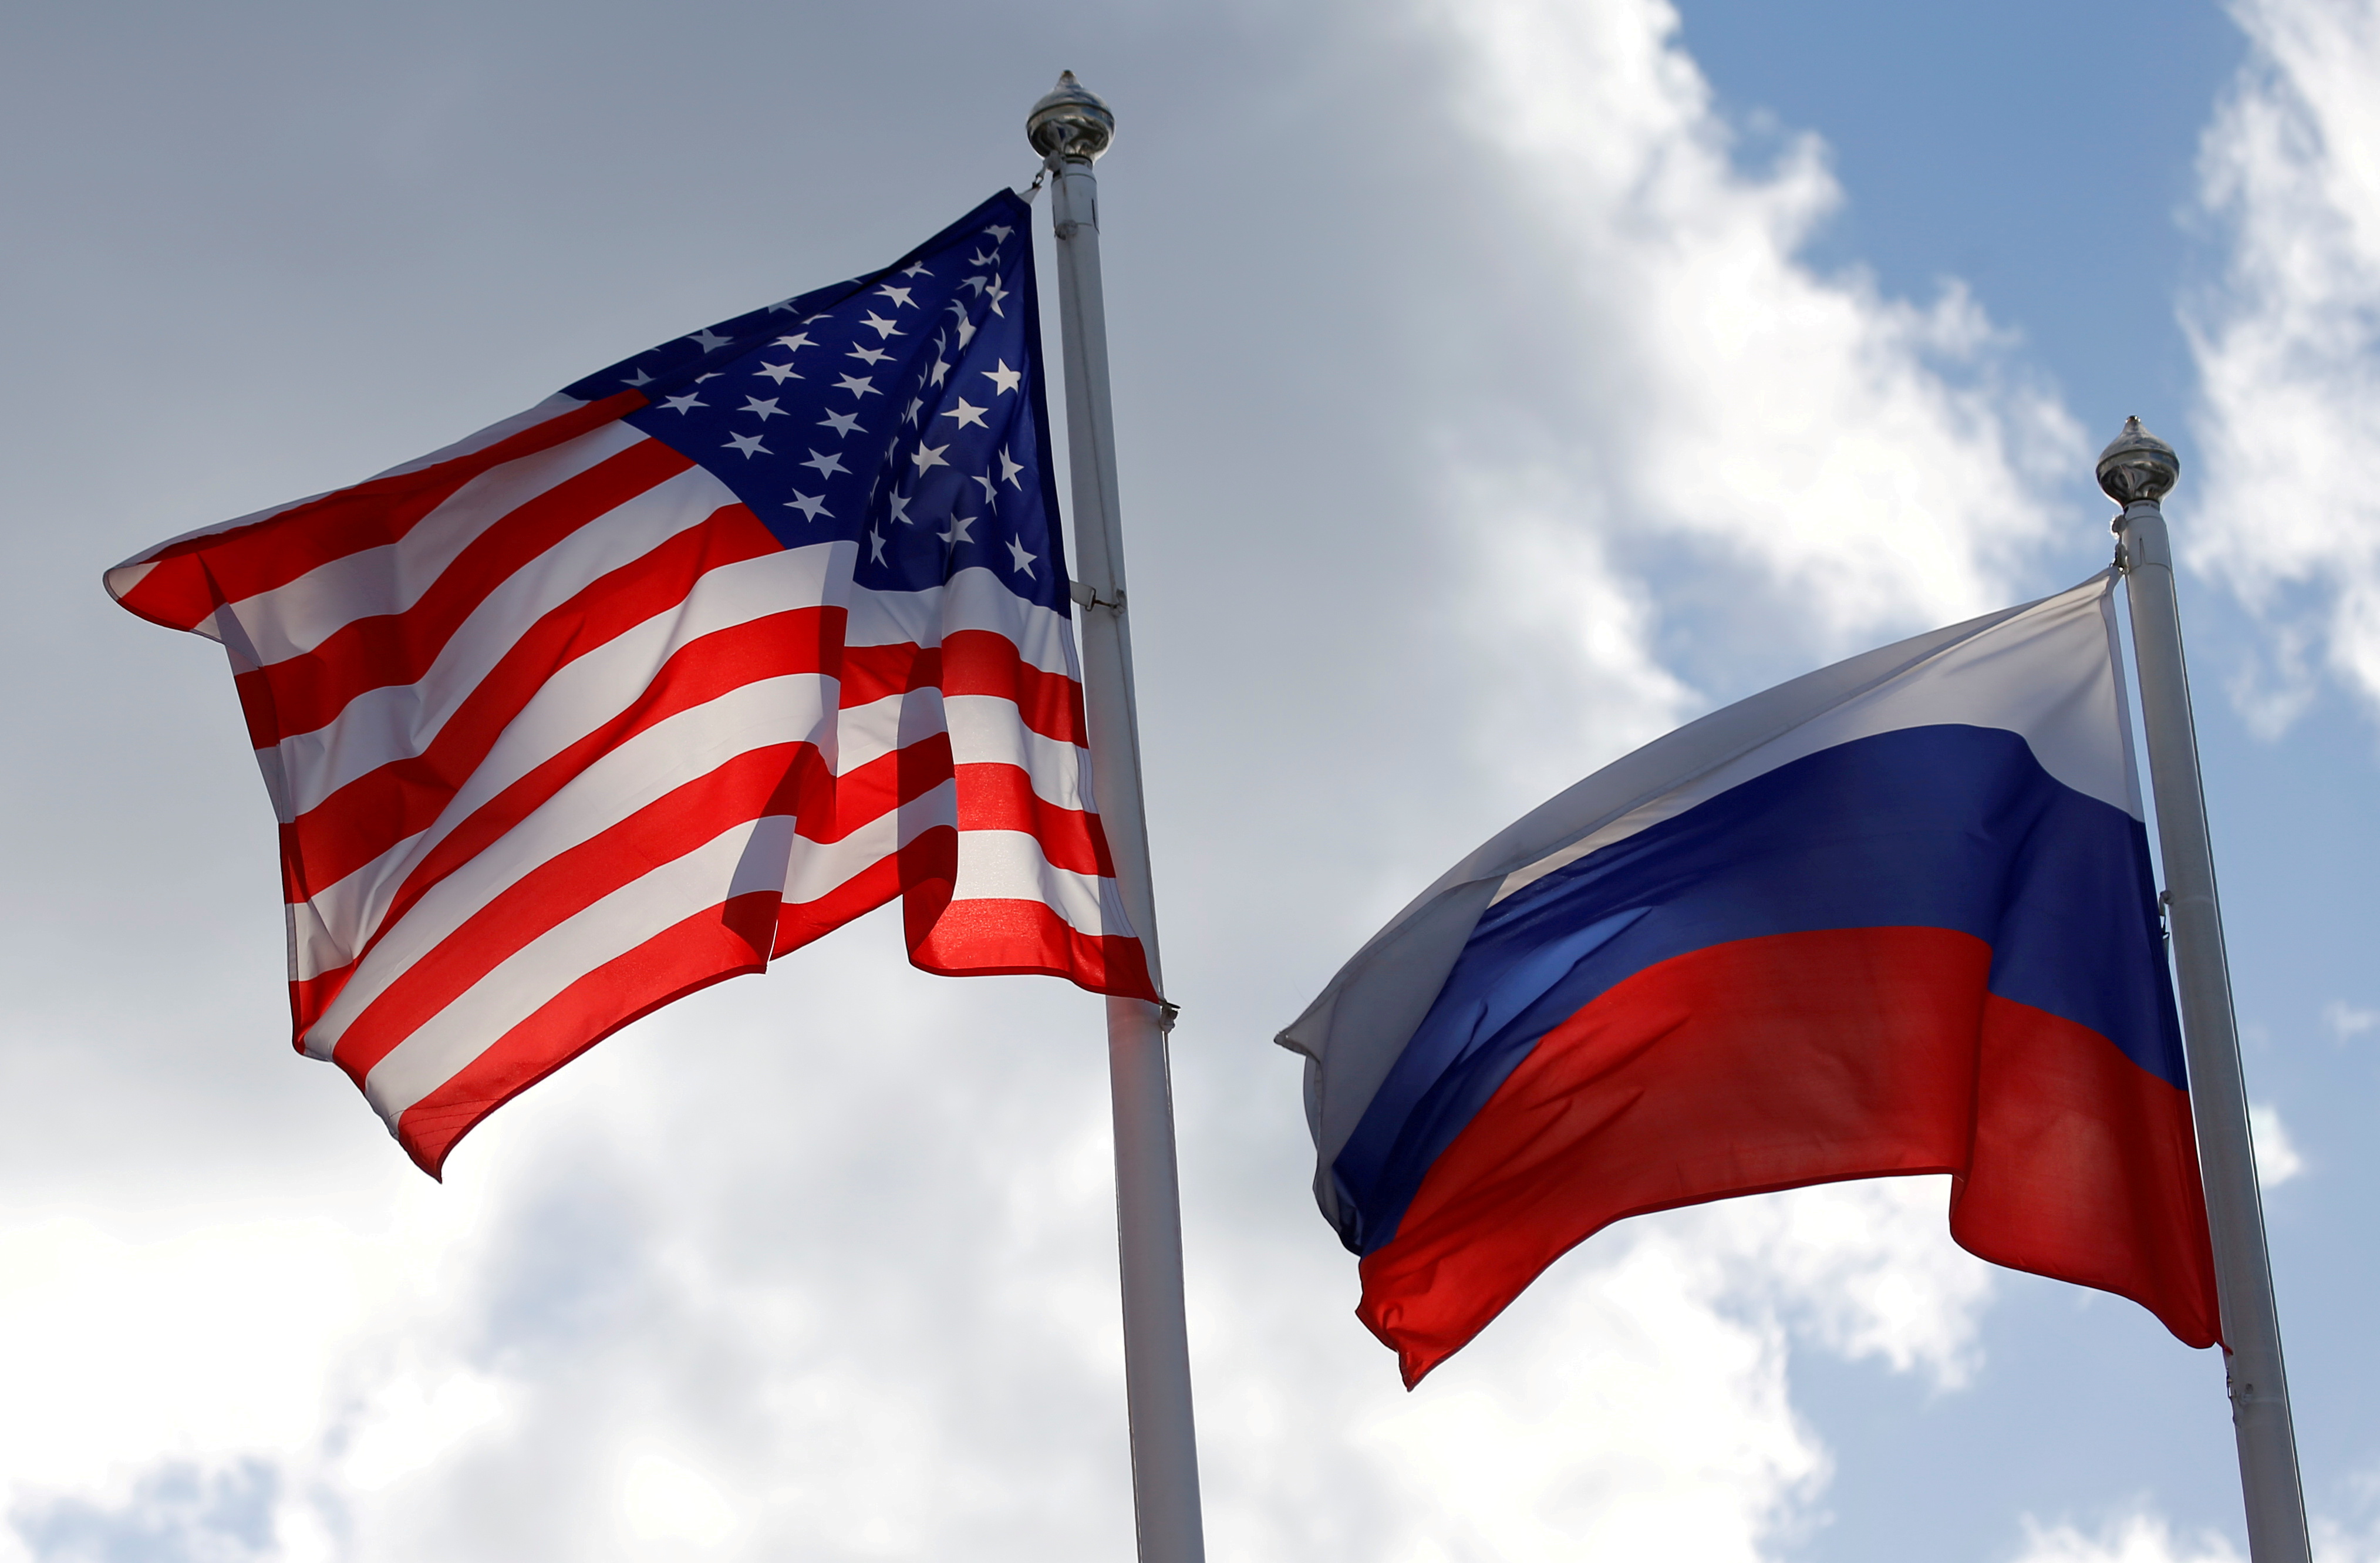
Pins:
<point x="2138" y="1539"/>
<point x="1788" y="454"/>
<point x="2343" y="1020"/>
<point x="2278" y="1160"/>
<point x="2287" y="346"/>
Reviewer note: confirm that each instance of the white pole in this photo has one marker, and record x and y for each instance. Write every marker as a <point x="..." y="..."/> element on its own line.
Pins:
<point x="2136" y="470"/>
<point x="1069" y="127"/>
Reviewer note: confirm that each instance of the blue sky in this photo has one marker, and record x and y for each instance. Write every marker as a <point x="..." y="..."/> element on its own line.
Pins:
<point x="1499" y="385"/>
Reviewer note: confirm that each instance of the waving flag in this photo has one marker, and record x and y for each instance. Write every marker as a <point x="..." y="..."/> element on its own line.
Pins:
<point x="1893" y="917"/>
<point x="690" y="664"/>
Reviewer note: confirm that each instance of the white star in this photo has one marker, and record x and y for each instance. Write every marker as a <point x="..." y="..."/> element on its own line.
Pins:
<point x="811" y="505"/>
<point x="827" y="466"/>
<point x="784" y="304"/>
<point x="841" y="423"/>
<point x="998" y="234"/>
<point x="986" y="482"/>
<point x="929" y="455"/>
<point x="748" y="443"/>
<point x="917" y="270"/>
<point x="638" y="378"/>
<point x="966" y="333"/>
<point x="976" y="283"/>
<point x="796" y="342"/>
<point x="882" y="327"/>
<point x="709" y="340"/>
<point x="685" y="403"/>
<point x="900" y="295"/>
<point x="1020" y="560"/>
<point x="990" y="260"/>
<point x="857" y="386"/>
<point x="915" y="408"/>
<point x="934" y="376"/>
<point x="875" y="546"/>
<point x="901" y="510"/>
<point x="780" y="373"/>
<point x="872" y="355"/>
<point x="1004" y="379"/>
<point x="968" y="412"/>
<point x="1008" y="469"/>
<point x="958" y="532"/>
<point x="700" y="378"/>
<point x="995" y="293"/>
<point x="763" y="410"/>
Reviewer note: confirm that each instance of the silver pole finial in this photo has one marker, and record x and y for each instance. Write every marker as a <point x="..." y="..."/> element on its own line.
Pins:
<point x="1070" y="122"/>
<point x="2137" y="465"/>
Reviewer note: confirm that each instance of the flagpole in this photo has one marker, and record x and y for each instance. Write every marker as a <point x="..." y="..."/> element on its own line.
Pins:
<point x="2136" y="470"/>
<point x="1070" y="127"/>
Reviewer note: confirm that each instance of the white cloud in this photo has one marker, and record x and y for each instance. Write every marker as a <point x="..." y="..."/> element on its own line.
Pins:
<point x="2344" y="1020"/>
<point x="2277" y="1159"/>
<point x="2288" y="352"/>
<point x="2140" y="1538"/>
<point x="1806" y="457"/>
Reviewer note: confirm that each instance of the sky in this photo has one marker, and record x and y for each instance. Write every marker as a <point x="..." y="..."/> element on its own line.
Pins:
<point x="1498" y="384"/>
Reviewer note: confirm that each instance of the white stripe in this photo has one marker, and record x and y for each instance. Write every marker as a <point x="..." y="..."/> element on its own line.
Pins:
<point x="123" y="577"/>
<point x="691" y="744"/>
<point x="1007" y="865"/>
<point x="2045" y="675"/>
<point x="748" y="858"/>
<point x="399" y="721"/>
<point x="975" y="599"/>
<point x="326" y="931"/>
<point x="986" y="729"/>
<point x="294" y="619"/>
<point x="821" y="868"/>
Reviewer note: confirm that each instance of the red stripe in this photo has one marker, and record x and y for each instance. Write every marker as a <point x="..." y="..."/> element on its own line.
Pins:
<point x="786" y="778"/>
<point x="781" y="645"/>
<point x="192" y="578"/>
<point x="969" y="662"/>
<point x="976" y="662"/>
<point x="2085" y="1169"/>
<point x="376" y="810"/>
<point x="971" y="938"/>
<point x="302" y="693"/>
<point x="308" y="997"/>
<point x="930" y="859"/>
<point x="725" y="941"/>
<point x="995" y="797"/>
<point x="1802" y="1058"/>
<point x="871" y="672"/>
<point x="990" y="938"/>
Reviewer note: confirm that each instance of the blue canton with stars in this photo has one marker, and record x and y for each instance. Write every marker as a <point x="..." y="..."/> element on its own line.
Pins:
<point x="901" y="411"/>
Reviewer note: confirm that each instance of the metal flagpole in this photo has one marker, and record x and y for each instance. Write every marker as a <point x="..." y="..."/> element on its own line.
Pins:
<point x="2136" y="469"/>
<point x="1069" y="127"/>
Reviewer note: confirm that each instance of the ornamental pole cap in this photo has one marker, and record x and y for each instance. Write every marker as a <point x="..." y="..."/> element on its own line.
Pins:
<point x="1070" y="122"/>
<point x="2137" y="465"/>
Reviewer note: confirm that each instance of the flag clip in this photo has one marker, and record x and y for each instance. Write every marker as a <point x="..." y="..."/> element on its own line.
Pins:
<point x="1087" y="596"/>
<point x="1167" y="1013"/>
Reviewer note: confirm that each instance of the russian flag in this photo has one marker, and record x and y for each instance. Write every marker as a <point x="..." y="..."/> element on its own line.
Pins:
<point x="1893" y="917"/>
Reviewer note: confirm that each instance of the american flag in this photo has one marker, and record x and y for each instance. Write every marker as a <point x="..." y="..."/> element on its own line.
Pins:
<point x="687" y="666"/>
